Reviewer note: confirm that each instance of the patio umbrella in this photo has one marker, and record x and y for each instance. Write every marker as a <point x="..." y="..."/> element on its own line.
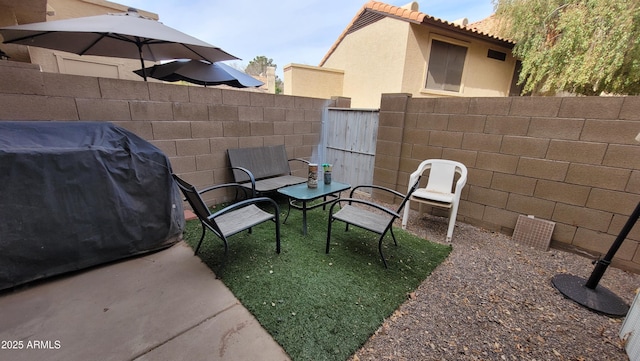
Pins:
<point x="199" y="72"/>
<point x="126" y="35"/>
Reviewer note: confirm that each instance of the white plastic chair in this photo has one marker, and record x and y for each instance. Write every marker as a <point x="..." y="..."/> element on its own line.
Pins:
<point x="440" y="191"/>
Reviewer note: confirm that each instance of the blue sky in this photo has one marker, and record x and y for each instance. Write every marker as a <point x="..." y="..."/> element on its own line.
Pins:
<point x="287" y="31"/>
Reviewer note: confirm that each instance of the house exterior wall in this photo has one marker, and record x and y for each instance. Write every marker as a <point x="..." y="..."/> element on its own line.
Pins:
<point x="482" y="76"/>
<point x="373" y="61"/>
<point x="391" y="56"/>
<point x="572" y="160"/>
<point x="414" y="67"/>
<point x="67" y="9"/>
<point x="304" y="80"/>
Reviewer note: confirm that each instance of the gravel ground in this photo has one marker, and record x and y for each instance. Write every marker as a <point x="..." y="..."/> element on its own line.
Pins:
<point x="492" y="299"/>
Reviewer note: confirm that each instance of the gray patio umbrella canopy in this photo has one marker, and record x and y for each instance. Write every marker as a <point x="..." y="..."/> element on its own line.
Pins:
<point x="127" y="35"/>
<point x="199" y="72"/>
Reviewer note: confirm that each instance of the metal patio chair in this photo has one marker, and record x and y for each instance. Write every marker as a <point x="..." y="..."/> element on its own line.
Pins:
<point x="368" y="215"/>
<point x="232" y="219"/>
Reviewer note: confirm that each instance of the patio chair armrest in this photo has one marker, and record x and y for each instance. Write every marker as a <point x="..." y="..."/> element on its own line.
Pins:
<point x="226" y="185"/>
<point x="367" y="203"/>
<point x="373" y="186"/>
<point x="245" y="203"/>
<point x="219" y="186"/>
<point x="299" y="160"/>
<point x="251" y="177"/>
<point x="460" y="183"/>
<point x="414" y="178"/>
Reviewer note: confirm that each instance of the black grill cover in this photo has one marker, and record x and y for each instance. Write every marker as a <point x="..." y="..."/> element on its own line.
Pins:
<point x="78" y="194"/>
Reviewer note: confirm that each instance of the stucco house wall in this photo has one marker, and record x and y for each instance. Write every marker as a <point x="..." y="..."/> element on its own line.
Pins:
<point x="391" y="55"/>
<point x="373" y="61"/>
<point x="312" y="81"/>
<point x="482" y="76"/>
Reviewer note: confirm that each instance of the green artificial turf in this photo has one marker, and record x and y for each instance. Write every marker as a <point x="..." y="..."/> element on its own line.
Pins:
<point x="319" y="306"/>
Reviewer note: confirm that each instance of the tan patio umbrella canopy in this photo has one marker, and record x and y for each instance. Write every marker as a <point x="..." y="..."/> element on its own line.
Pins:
<point x="126" y="35"/>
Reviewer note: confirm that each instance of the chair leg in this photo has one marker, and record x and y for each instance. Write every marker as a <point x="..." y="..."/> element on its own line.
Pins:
<point x="393" y="236"/>
<point x="380" y="250"/>
<point x="452" y="221"/>
<point x="405" y="215"/>
<point x="226" y="245"/>
<point x="277" y="220"/>
<point x="329" y="234"/>
<point x="288" y="210"/>
<point x="201" y="239"/>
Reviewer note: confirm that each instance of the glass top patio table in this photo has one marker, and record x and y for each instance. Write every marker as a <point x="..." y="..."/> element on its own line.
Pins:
<point x="302" y="193"/>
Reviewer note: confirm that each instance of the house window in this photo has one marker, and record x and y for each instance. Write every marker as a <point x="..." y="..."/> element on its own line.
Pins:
<point x="446" y="63"/>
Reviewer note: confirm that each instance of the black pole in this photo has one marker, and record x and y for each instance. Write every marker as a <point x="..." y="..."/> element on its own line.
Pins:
<point x="134" y="12"/>
<point x="589" y="294"/>
<point x="144" y="71"/>
<point x="602" y="264"/>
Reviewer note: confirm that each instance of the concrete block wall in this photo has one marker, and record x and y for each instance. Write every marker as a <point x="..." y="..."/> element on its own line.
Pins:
<point x="572" y="160"/>
<point x="193" y="125"/>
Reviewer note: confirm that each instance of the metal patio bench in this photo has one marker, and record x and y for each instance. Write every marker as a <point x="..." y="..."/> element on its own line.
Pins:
<point x="268" y="165"/>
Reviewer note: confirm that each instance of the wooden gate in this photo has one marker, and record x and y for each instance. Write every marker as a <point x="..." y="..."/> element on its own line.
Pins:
<point x="349" y="141"/>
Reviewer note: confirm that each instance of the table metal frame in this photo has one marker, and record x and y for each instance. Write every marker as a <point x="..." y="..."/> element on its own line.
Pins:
<point x="301" y="193"/>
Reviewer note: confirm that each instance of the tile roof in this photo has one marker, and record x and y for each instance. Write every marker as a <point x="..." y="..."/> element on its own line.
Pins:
<point x="489" y="25"/>
<point x="373" y="11"/>
<point x="394" y="10"/>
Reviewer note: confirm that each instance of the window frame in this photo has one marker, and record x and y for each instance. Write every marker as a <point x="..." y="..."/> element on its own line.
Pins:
<point x="452" y="41"/>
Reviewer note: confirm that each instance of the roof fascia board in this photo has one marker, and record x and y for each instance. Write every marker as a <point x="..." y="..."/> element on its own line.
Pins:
<point x="431" y="21"/>
<point x="463" y="31"/>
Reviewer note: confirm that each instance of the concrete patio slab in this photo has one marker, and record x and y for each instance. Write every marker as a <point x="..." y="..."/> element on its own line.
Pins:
<point x="163" y="306"/>
<point x="233" y="335"/>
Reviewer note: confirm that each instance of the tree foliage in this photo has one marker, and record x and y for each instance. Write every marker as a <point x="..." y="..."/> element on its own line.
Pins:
<point x="259" y="65"/>
<point x="580" y="46"/>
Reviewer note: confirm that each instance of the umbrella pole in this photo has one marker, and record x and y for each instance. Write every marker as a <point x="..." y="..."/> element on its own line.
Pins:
<point x="144" y="72"/>
<point x="602" y="264"/>
<point x="589" y="294"/>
